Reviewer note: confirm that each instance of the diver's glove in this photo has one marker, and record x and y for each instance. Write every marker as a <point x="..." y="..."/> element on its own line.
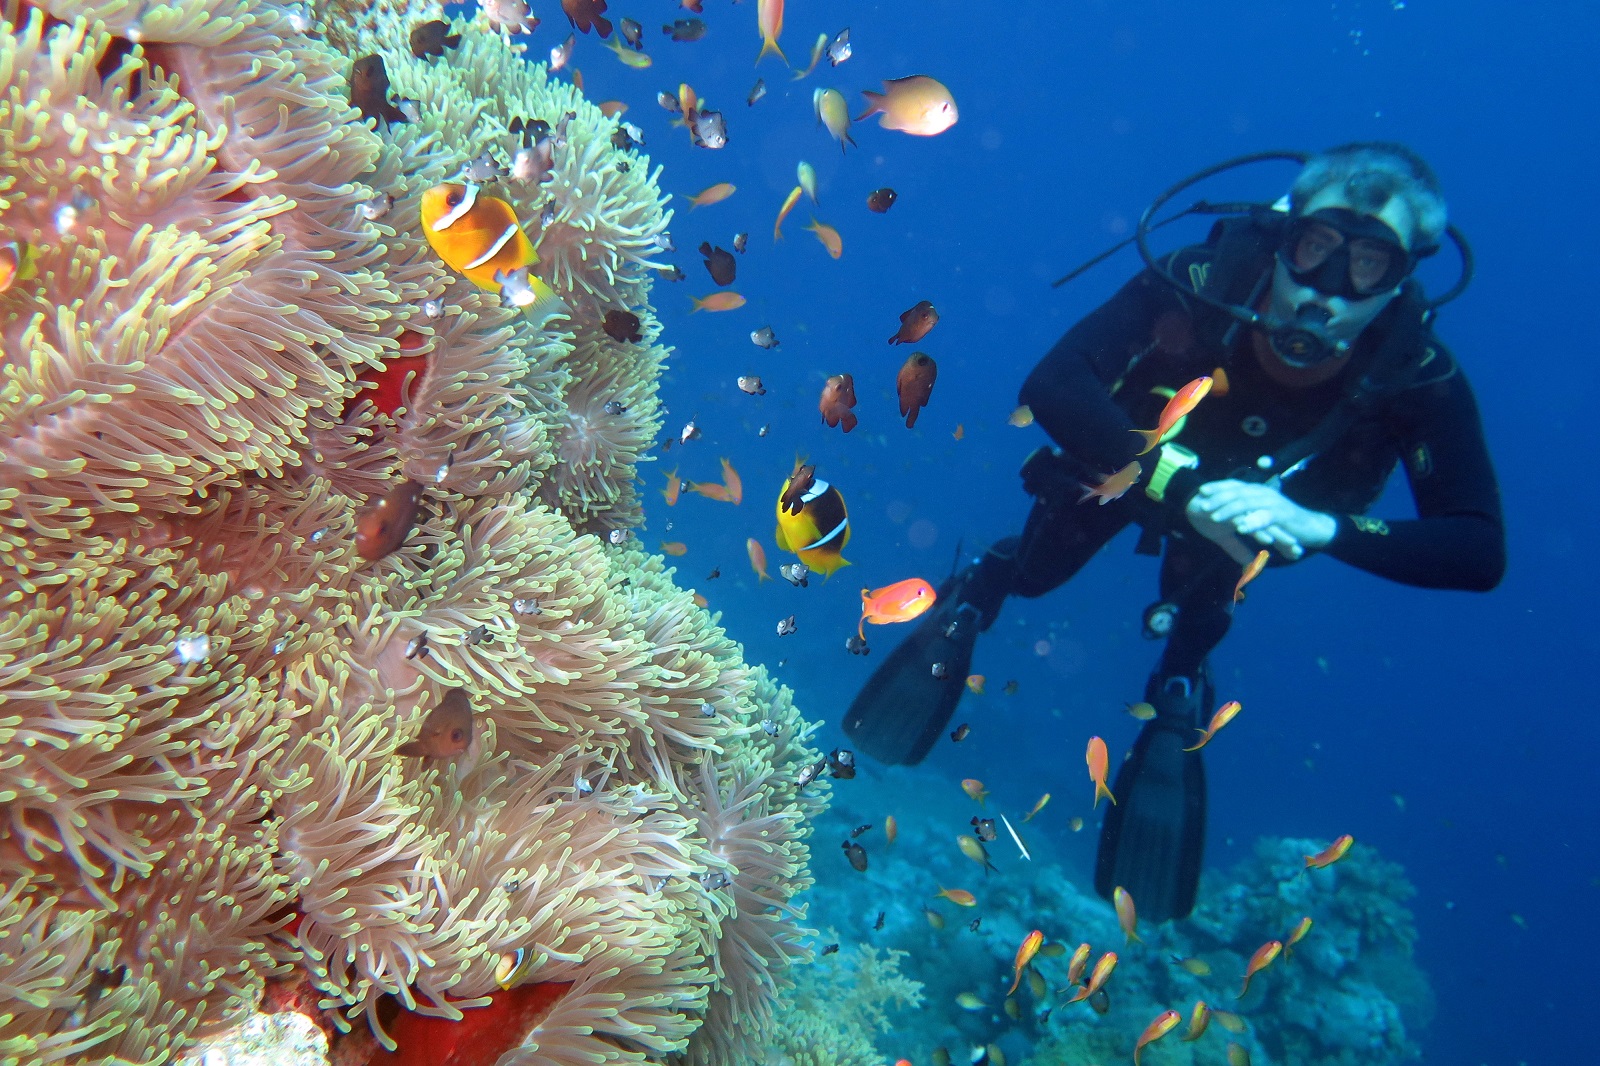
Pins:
<point x="1229" y="512"/>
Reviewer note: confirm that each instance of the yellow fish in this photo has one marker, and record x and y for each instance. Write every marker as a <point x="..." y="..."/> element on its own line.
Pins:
<point x="714" y="194"/>
<point x="629" y="58"/>
<point x="829" y="237"/>
<point x="833" y="113"/>
<point x="819" y="532"/>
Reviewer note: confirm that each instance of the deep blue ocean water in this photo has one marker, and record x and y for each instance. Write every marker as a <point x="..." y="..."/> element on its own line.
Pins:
<point x="1476" y="710"/>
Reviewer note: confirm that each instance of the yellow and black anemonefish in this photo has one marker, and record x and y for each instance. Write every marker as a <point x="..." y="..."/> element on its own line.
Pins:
<point x="478" y="237"/>
<point x="819" y="533"/>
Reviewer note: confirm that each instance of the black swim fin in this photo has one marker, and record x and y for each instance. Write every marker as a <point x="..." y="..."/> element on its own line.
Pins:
<point x="1153" y="838"/>
<point x="905" y="705"/>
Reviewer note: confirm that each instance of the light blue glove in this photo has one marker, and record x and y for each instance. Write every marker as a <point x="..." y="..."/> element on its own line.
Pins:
<point x="1224" y="512"/>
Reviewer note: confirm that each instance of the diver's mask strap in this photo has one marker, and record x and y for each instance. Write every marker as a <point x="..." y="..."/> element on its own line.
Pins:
<point x="1172" y="458"/>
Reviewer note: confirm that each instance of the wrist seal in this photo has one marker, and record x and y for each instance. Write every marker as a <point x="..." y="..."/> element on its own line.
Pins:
<point x="1172" y="458"/>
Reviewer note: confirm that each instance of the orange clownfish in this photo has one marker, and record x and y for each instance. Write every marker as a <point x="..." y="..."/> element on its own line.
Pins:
<point x="899" y="602"/>
<point x="1177" y="408"/>
<point x="478" y="237"/>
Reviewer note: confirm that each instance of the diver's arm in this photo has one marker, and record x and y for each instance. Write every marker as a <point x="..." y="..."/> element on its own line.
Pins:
<point x="1458" y="539"/>
<point x="1069" y="391"/>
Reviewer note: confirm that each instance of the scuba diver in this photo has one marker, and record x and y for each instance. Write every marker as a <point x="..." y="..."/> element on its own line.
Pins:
<point x="1326" y="375"/>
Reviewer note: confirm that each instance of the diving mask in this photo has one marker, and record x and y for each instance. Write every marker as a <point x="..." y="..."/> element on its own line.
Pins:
<point x="1339" y="252"/>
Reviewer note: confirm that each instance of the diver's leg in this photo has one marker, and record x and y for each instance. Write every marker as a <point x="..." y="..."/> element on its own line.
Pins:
<point x="903" y="708"/>
<point x="1152" y="842"/>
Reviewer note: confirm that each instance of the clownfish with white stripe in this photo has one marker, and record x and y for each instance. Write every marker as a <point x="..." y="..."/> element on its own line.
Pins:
<point x="818" y="531"/>
<point x="478" y="237"/>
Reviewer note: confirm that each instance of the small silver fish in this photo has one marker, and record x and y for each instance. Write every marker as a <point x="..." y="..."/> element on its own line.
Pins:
<point x="690" y="432"/>
<point x="409" y="108"/>
<point x="633" y="33"/>
<point x="708" y="710"/>
<point x="765" y="337"/>
<point x="757" y="91"/>
<point x="839" y="50"/>
<point x="66" y="215"/>
<point x="769" y="727"/>
<point x="526" y="606"/>
<point x="672" y="273"/>
<point x="434" y="307"/>
<point x="940" y="671"/>
<point x="797" y="574"/>
<point x="959" y="733"/>
<point x="548" y="216"/>
<point x="444" y="468"/>
<point x="710" y="129"/>
<point x="762" y="432"/>
<point x="618" y="536"/>
<point x="714" y="880"/>
<point x="583" y="786"/>
<point x="418" y="645"/>
<point x="319" y="536"/>
<point x="299" y="16"/>
<point x="669" y="102"/>
<point x="194" y="648"/>
<point x="634" y="133"/>
<point x="482" y="170"/>
<point x="740" y="242"/>
<point x="787" y="627"/>
<point x="532" y="164"/>
<point x="516" y="290"/>
<point x="809" y="773"/>
<point x="377" y="207"/>
<point x="842" y="763"/>
<point x="476" y="635"/>
<point x="751" y="384"/>
<point x="561" y="54"/>
<point x="614" y="407"/>
<point x="856" y="646"/>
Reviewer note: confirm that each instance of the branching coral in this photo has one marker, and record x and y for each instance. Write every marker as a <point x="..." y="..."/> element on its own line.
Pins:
<point x="222" y="360"/>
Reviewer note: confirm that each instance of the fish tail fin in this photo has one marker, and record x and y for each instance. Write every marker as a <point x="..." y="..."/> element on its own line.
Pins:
<point x="1088" y="490"/>
<point x="1152" y="437"/>
<point x="874" y="104"/>
<point x="1100" y="789"/>
<point x="547" y="304"/>
<point x="453" y="40"/>
<point x="769" y="46"/>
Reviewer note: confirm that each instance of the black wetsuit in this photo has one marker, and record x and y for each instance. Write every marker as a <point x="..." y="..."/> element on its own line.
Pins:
<point x="1095" y="385"/>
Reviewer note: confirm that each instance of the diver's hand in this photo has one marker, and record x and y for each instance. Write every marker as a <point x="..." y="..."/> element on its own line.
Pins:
<point x="1219" y="533"/>
<point x="1263" y="514"/>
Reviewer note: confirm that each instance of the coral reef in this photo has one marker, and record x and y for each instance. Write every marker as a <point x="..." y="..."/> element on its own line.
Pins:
<point x="838" y="1007"/>
<point x="1348" y="994"/>
<point x="232" y="341"/>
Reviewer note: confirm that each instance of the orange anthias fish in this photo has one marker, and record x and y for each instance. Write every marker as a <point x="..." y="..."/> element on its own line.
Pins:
<point x="711" y="490"/>
<point x="758" y="558"/>
<point x="732" y="483"/>
<point x="1157" y="1029"/>
<point x="1112" y="486"/>
<point x="891" y="829"/>
<point x="914" y="385"/>
<point x="1099" y="762"/>
<point x="1198" y="1020"/>
<point x="838" y="397"/>
<point x="714" y="194"/>
<point x="959" y="896"/>
<point x="975" y="683"/>
<point x="974" y="788"/>
<point x="674" y="547"/>
<point x="446" y="731"/>
<point x="769" y="20"/>
<point x="1097" y="979"/>
<point x="1297" y="934"/>
<point x="1251" y="572"/>
<point x="674" y="486"/>
<point x="1264" y="957"/>
<point x="1037" y="807"/>
<point x="1025" y="953"/>
<point x="1127" y="917"/>
<point x="918" y="105"/>
<point x="899" y="602"/>
<point x="478" y="237"/>
<point x="783" y="212"/>
<point x="829" y="237"/>
<point x="1179" y="406"/>
<point x="1330" y="854"/>
<point x="718" y="301"/>
<point x="1077" y="964"/>
<point x="1224" y="715"/>
<point x="384" y="526"/>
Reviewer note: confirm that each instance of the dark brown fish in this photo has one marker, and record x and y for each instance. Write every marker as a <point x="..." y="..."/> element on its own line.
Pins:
<point x="632" y="32"/>
<point x="1100" y="1001"/>
<point x="720" y="263"/>
<point x="800" y="482"/>
<point x="685" y="29"/>
<point x="915" y="385"/>
<point x="915" y="323"/>
<point x="622" y="327"/>
<point x="880" y="200"/>
<point x="586" y="15"/>
<point x="369" y="90"/>
<point x="447" y="731"/>
<point x="857" y="855"/>
<point x="432" y="38"/>
<point x="838" y="396"/>
<point x="384" y="526"/>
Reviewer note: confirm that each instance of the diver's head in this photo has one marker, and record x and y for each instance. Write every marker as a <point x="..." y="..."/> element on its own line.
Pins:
<point x="1361" y="217"/>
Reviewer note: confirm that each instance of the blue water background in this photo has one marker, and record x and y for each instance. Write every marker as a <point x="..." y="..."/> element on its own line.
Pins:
<point x="1476" y="711"/>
